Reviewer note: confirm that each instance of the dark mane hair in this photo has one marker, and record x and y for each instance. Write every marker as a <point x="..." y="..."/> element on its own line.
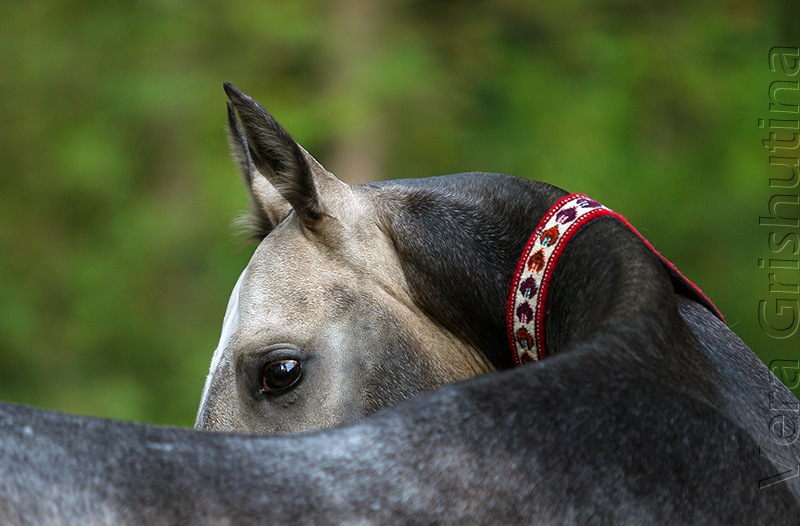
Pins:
<point x="485" y="220"/>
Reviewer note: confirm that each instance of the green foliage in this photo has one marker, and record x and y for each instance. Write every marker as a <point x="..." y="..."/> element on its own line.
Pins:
<point x="116" y="192"/>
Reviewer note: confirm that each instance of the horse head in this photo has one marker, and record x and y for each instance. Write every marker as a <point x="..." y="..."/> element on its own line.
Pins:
<point x="323" y="325"/>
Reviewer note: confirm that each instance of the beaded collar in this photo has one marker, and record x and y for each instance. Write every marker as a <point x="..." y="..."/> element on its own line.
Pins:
<point x="525" y="316"/>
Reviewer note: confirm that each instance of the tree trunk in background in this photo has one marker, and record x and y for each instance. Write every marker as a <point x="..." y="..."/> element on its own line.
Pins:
<point x="357" y="155"/>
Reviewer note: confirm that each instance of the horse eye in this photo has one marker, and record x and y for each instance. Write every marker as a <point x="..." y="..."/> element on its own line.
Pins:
<point x="279" y="375"/>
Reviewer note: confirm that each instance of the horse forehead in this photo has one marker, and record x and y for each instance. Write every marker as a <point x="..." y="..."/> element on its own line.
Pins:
<point x="296" y="290"/>
<point x="289" y="260"/>
<point x="286" y="267"/>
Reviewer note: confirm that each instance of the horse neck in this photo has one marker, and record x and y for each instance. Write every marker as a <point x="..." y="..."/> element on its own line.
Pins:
<point x="459" y="239"/>
<point x="608" y="282"/>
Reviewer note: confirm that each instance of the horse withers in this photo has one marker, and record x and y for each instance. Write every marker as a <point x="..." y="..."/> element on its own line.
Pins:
<point x="377" y="309"/>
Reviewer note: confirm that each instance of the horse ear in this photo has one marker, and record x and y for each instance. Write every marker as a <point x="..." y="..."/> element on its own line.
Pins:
<point x="262" y="146"/>
<point x="268" y="206"/>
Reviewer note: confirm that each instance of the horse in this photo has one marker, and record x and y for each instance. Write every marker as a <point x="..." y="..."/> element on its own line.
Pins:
<point x="383" y="334"/>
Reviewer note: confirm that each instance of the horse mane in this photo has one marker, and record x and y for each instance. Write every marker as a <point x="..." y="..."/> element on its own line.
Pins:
<point x="486" y="220"/>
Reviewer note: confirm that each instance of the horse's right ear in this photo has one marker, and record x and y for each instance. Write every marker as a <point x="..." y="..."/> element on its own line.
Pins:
<point x="279" y="173"/>
<point x="268" y="206"/>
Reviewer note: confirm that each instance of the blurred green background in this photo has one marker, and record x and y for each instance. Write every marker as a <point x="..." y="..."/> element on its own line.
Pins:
<point x="117" y="193"/>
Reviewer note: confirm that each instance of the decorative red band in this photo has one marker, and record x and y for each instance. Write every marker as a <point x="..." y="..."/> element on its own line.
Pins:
<point x="525" y="317"/>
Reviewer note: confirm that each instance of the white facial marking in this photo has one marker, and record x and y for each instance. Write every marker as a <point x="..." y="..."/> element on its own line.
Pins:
<point x="229" y="324"/>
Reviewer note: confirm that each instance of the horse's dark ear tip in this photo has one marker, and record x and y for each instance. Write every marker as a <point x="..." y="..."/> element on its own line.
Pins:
<point x="231" y="91"/>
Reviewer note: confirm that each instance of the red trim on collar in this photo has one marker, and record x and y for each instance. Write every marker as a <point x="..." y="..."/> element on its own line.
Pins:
<point x="525" y="311"/>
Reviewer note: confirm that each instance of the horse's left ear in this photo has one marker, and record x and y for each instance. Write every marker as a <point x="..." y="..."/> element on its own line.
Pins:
<point x="291" y="170"/>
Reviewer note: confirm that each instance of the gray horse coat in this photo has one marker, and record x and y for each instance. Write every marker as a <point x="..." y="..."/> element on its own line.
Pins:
<point x="648" y="410"/>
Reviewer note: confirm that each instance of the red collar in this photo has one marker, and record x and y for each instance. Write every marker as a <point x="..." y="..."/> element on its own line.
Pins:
<point x="525" y="317"/>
